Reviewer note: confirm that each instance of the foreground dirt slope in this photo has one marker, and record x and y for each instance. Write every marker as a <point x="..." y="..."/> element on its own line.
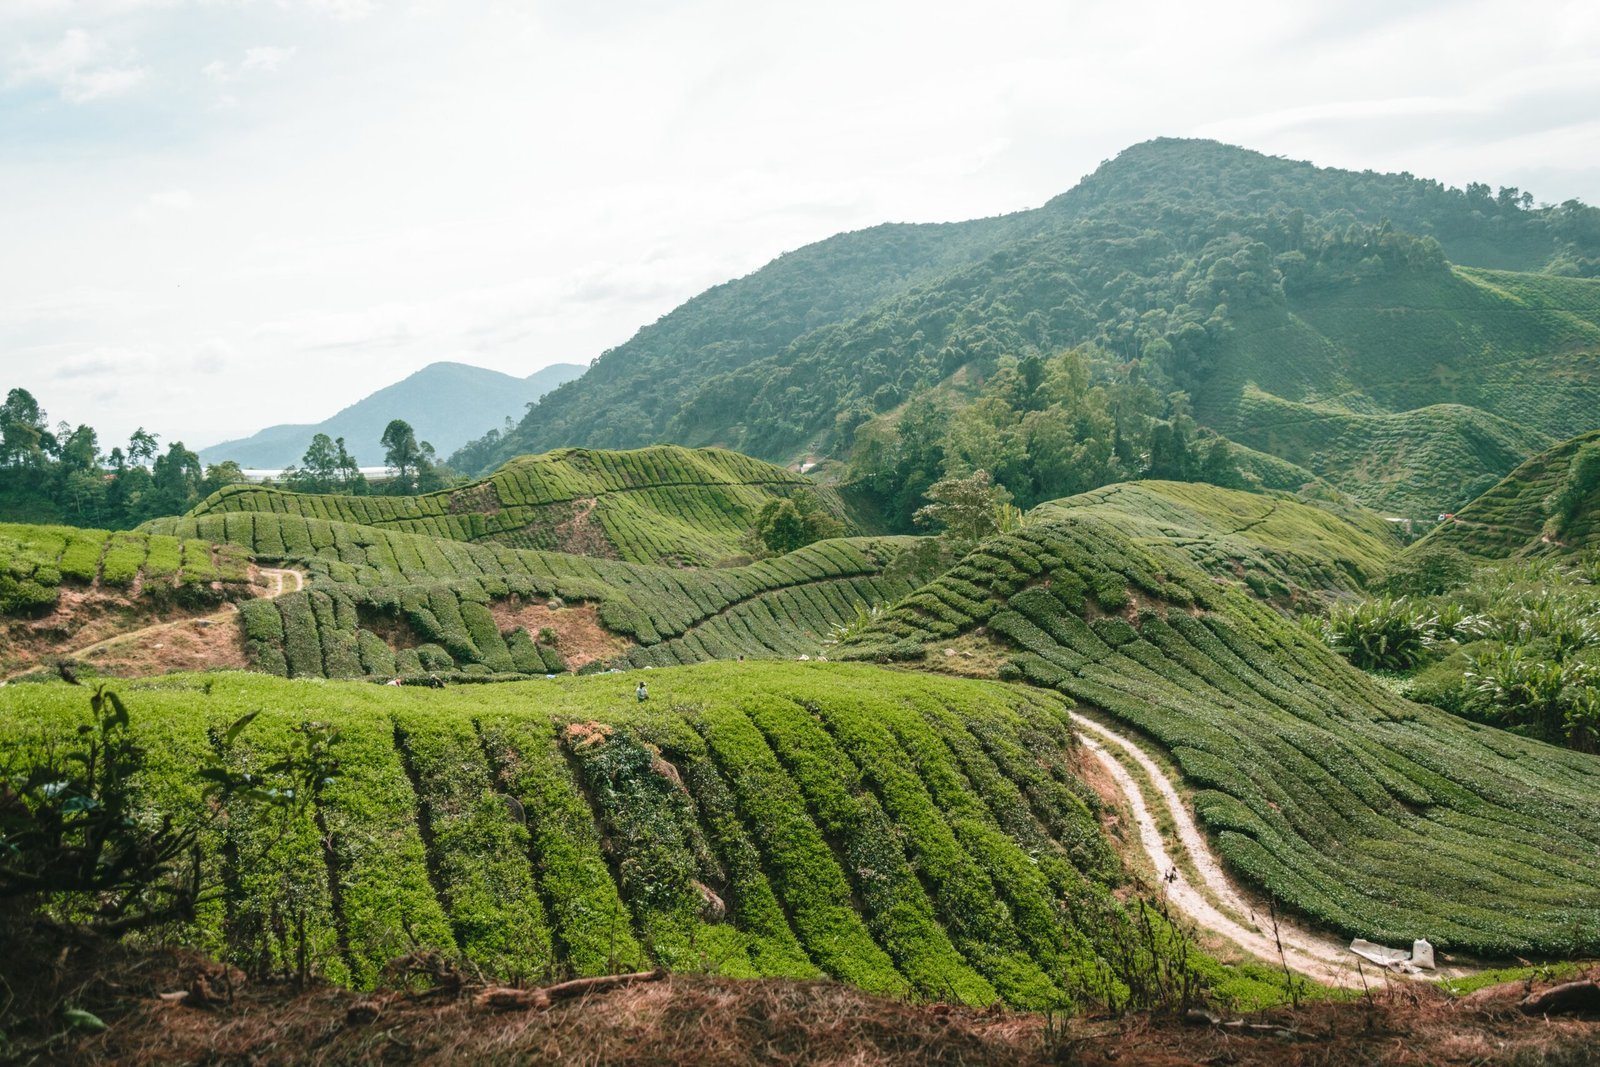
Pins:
<point x="694" y="1019"/>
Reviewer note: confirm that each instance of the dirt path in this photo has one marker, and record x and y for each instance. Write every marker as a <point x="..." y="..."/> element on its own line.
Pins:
<point x="280" y="579"/>
<point x="1218" y="906"/>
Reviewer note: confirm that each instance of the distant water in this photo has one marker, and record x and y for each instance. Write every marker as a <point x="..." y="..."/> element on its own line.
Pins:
<point x="261" y="474"/>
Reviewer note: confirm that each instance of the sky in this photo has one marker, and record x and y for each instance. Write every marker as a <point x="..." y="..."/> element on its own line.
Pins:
<point x="217" y="215"/>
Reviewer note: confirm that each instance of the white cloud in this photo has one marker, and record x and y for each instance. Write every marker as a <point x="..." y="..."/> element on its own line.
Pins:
<point x="172" y="200"/>
<point x="264" y="59"/>
<point x="78" y="66"/>
<point x="344" y="10"/>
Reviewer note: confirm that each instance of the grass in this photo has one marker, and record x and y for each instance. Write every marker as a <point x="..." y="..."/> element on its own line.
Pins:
<point x="908" y="834"/>
<point x="1361" y="811"/>
<point x="662" y="505"/>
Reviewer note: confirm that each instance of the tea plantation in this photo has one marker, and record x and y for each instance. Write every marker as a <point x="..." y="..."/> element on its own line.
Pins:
<point x="1413" y="392"/>
<point x="1515" y="516"/>
<point x="1372" y="815"/>
<point x="1414" y="464"/>
<point x="36" y="562"/>
<point x="1276" y="546"/>
<point x="910" y="835"/>
<point x="651" y="505"/>
<point x="367" y="580"/>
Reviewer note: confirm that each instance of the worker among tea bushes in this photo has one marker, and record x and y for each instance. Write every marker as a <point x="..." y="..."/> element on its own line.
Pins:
<point x="641" y="694"/>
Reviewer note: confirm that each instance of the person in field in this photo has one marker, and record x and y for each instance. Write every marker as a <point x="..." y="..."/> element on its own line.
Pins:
<point x="641" y="694"/>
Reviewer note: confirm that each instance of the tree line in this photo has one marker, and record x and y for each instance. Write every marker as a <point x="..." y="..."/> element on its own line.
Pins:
<point x="60" y="474"/>
<point x="1042" y="428"/>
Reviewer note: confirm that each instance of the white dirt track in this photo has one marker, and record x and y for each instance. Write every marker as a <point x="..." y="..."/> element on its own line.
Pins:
<point x="1318" y="956"/>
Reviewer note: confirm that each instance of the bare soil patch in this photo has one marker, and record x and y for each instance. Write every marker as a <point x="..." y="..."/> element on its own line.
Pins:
<point x="971" y="655"/>
<point x="124" y="633"/>
<point x="579" y="635"/>
<point x="215" y="642"/>
<point x="581" y="534"/>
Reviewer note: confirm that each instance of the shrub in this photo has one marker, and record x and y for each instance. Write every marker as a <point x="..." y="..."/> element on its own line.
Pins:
<point x="1388" y="633"/>
<point x="1427" y="571"/>
<point x="1511" y="686"/>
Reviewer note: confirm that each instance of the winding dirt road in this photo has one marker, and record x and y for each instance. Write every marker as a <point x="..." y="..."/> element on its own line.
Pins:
<point x="1217" y="906"/>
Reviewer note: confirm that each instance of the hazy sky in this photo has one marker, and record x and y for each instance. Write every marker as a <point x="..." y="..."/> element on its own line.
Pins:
<point x="221" y="214"/>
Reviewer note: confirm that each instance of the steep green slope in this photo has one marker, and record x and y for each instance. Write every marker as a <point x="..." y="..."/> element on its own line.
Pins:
<point x="1414" y="464"/>
<point x="909" y="835"/>
<point x="384" y="602"/>
<point x="1161" y="255"/>
<point x="447" y="404"/>
<point x="1515" y="517"/>
<point x="1274" y="545"/>
<point x="1377" y="817"/>
<point x="662" y="505"/>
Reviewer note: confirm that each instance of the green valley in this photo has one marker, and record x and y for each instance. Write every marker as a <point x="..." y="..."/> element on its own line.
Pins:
<point x="1117" y="606"/>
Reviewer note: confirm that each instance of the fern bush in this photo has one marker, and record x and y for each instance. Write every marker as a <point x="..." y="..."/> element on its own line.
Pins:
<point x="1387" y="634"/>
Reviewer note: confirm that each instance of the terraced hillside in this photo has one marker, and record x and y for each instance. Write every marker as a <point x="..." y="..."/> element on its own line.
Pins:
<point x="1518" y="516"/>
<point x="906" y="834"/>
<point x="66" y="589"/>
<point x="383" y="602"/>
<point x="663" y="505"/>
<point x="1360" y="810"/>
<point x="1278" y="547"/>
<point x="37" y="562"/>
<point x="1414" y="464"/>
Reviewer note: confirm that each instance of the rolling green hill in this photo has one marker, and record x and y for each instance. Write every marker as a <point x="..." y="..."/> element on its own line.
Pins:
<point x="1188" y="265"/>
<point x="1519" y="516"/>
<point x="1364" y="812"/>
<point x="1414" y="464"/>
<point x="385" y="602"/>
<point x="654" y="505"/>
<point x="1272" y="544"/>
<point x="913" y="836"/>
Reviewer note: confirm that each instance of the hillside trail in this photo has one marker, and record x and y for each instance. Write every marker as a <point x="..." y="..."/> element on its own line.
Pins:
<point x="1319" y="956"/>
<point x="281" y="578"/>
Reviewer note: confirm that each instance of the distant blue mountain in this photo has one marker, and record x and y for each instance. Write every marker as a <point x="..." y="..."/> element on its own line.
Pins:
<point x="448" y="404"/>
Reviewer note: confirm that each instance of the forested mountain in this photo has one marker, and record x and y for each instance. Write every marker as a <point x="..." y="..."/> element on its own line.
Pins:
<point x="446" y="403"/>
<point x="1184" y="266"/>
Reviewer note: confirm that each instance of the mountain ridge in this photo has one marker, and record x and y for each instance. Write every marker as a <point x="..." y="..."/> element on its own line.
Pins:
<point x="1165" y="261"/>
<point x="462" y="389"/>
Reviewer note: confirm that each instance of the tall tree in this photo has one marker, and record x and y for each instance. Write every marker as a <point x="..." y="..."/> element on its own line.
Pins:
<point x="24" y="431"/>
<point x="401" y="454"/>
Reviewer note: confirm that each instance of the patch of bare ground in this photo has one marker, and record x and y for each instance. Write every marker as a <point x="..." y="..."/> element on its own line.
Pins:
<point x="124" y="632"/>
<point x="581" y="533"/>
<point x="80" y="617"/>
<point x="214" y="642"/>
<point x="167" y="1007"/>
<point x="579" y="636"/>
